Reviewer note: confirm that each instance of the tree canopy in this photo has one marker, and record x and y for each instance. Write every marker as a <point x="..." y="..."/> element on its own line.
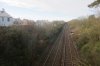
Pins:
<point x="94" y="4"/>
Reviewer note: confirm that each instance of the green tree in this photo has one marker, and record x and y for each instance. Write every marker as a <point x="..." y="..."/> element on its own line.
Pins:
<point x="94" y="4"/>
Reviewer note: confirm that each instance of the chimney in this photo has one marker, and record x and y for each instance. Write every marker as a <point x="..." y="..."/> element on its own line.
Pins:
<point x="3" y="10"/>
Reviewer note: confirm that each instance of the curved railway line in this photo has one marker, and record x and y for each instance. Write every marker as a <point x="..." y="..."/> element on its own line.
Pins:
<point x="62" y="53"/>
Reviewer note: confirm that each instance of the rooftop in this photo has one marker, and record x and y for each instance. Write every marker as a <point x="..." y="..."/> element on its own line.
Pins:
<point x="3" y="13"/>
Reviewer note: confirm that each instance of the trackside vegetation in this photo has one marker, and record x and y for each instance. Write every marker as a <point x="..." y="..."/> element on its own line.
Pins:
<point x="87" y="38"/>
<point x="22" y="45"/>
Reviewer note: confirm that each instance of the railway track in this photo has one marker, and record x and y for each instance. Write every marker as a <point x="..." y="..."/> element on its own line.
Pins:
<point x="63" y="52"/>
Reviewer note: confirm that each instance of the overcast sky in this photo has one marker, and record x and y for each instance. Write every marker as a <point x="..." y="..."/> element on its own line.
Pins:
<point x="47" y="9"/>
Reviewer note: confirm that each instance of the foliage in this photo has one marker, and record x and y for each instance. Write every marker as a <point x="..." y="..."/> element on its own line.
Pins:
<point x="87" y="37"/>
<point x="22" y="45"/>
<point x="95" y="3"/>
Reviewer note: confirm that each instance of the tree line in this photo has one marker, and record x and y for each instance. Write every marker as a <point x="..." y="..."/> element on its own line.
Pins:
<point x="23" y="45"/>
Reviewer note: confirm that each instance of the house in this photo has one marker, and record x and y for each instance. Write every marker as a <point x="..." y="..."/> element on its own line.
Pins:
<point x="24" y="22"/>
<point x="41" y="22"/>
<point x="5" y="18"/>
<point x="17" y="22"/>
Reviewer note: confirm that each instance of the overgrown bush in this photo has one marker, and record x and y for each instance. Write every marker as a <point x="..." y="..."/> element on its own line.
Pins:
<point x="22" y="45"/>
<point x="87" y="38"/>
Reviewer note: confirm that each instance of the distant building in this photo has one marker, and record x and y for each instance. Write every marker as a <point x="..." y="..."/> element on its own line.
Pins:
<point x="18" y="21"/>
<point x="27" y="22"/>
<point x="5" y="18"/>
<point x="41" y="22"/>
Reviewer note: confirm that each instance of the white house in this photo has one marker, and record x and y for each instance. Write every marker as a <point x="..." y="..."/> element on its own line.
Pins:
<point x="5" y="18"/>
